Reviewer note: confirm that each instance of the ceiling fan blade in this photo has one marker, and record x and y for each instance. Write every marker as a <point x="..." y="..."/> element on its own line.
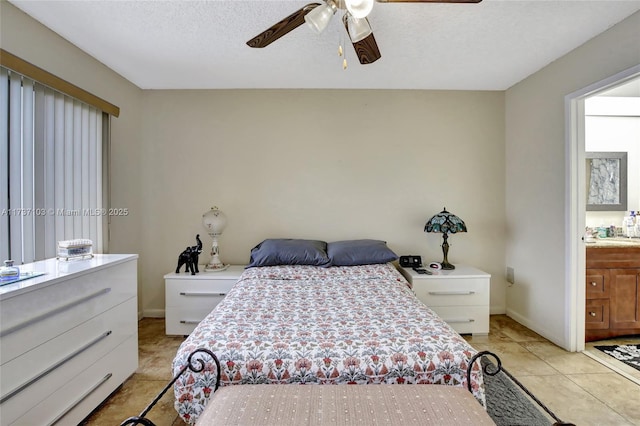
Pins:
<point x="367" y="50"/>
<point x="428" y="1"/>
<point x="281" y="28"/>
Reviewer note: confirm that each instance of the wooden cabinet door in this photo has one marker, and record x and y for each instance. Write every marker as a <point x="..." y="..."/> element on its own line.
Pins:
<point x="625" y="299"/>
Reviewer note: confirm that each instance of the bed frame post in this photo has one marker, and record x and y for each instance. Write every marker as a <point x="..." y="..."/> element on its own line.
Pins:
<point x="195" y="365"/>
<point x="491" y="370"/>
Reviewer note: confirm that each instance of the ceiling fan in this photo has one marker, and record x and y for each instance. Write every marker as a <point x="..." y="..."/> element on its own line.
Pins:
<point x="318" y="16"/>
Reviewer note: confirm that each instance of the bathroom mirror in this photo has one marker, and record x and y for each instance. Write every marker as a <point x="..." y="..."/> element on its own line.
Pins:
<point x="606" y="180"/>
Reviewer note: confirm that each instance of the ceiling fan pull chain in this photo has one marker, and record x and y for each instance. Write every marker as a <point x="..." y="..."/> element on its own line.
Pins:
<point x="341" y="52"/>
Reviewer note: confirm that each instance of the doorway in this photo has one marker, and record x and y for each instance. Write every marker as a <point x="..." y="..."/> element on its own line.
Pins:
<point x="576" y="195"/>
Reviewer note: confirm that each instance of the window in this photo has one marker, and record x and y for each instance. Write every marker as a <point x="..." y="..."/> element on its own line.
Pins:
<point x="53" y="164"/>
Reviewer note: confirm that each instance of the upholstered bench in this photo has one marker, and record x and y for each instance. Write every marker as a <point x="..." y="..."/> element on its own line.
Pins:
<point x="296" y="405"/>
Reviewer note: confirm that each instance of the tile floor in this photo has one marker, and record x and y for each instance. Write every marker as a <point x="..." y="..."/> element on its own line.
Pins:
<point x="574" y="386"/>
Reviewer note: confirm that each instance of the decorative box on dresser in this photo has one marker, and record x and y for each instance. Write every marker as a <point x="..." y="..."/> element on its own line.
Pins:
<point x="189" y="298"/>
<point x="459" y="296"/>
<point x="612" y="289"/>
<point x="68" y="338"/>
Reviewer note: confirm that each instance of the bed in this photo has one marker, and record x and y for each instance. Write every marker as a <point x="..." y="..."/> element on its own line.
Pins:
<point x="330" y="322"/>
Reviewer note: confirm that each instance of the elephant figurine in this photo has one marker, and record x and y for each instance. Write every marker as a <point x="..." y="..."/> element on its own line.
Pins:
<point x="189" y="257"/>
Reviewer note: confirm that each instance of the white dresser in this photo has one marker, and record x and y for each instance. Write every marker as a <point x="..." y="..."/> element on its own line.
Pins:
<point x="68" y="338"/>
<point x="189" y="298"/>
<point x="459" y="296"/>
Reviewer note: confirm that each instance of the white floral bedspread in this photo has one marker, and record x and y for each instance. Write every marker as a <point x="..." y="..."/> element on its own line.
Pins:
<point x="312" y="325"/>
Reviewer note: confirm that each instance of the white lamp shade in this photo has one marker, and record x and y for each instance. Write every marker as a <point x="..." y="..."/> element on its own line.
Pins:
<point x="214" y="221"/>
<point x="359" y="29"/>
<point x="359" y="8"/>
<point x="319" y="18"/>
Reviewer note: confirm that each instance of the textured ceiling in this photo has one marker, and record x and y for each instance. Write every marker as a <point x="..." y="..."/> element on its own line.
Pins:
<point x="201" y="44"/>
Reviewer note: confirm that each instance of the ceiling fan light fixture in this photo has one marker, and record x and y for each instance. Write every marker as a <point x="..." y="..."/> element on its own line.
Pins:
<point x="318" y="19"/>
<point x="359" y="8"/>
<point x="358" y="28"/>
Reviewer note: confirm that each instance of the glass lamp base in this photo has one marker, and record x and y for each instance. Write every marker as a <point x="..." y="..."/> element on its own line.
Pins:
<point x="215" y="269"/>
<point x="215" y="264"/>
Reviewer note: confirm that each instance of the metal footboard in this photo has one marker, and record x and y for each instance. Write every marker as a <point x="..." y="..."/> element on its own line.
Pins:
<point x="493" y="369"/>
<point x="196" y="366"/>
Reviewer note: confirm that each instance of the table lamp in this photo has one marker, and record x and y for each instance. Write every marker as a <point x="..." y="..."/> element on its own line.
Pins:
<point x="214" y="222"/>
<point x="445" y="223"/>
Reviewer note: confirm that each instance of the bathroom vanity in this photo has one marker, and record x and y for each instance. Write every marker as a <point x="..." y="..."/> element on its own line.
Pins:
<point x="612" y="288"/>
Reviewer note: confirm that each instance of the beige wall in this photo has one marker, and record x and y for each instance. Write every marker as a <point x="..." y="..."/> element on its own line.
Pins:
<point x="312" y="164"/>
<point x="322" y="164"/>
<point x="536" y="168"/>
<point x="381" y="165"/>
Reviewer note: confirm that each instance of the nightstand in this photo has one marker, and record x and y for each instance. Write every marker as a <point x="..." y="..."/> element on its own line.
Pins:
<point x="459" y="296"/>
<point x="190" y="298"/>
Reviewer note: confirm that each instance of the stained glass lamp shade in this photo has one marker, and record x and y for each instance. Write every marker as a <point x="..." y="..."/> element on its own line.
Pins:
<point x="445" y="223"/>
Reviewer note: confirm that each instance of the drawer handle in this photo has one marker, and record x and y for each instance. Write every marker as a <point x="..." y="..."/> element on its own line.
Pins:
<point x="451" y="293"/>
<point x="53" y="312"/>
<point x="189" y="322"/>
<point x="593" y="283"/>
<point x="459" y="321"/>
<point x="82" y="398"/>
<point x="54" y="366"/>
<point x="593" y="314"/>
<point x="183" y="293"/>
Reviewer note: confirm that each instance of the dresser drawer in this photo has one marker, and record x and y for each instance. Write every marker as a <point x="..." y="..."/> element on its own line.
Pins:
<point x="452" y="292"/>
<point x="29" y="319"/>
<point x="33" y="376"/>
<point x="196" y="294"/>
<point x="181" y="320"/>
<point x="190" y="298"/>
<point x="470" y="319"/>
<point x="76" y="398"/>
<point x="597" y="284"/>
<point x="597" y="314"/>
<point x="188" y="302"/>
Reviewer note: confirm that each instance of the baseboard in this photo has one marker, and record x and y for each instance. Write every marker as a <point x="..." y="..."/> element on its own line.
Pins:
<point x="534" y="327"/>
<point x="497" y="310"/>
<point x="153" y="313"/>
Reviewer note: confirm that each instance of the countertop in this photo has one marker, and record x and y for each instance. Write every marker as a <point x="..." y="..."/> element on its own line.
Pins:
<point x="613" y="242"/>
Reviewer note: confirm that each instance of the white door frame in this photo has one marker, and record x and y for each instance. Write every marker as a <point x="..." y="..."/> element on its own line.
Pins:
<point x="575" y="206"/>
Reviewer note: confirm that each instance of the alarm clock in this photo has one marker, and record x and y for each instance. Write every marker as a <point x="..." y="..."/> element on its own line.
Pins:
<point x="410" y="261"/>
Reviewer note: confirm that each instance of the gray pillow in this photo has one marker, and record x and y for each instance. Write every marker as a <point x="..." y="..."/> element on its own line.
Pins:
<point x="272" y="252"/>
<point x="359" y="252"/>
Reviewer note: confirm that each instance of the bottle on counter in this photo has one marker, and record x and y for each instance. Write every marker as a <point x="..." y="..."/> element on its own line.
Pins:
<point x="628" y="226"/>
<point x="8" y="271"/>
<point x="602" y="231"/>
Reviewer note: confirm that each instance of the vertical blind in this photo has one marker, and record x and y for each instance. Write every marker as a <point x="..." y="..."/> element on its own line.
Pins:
<point x="51" y="170"/>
